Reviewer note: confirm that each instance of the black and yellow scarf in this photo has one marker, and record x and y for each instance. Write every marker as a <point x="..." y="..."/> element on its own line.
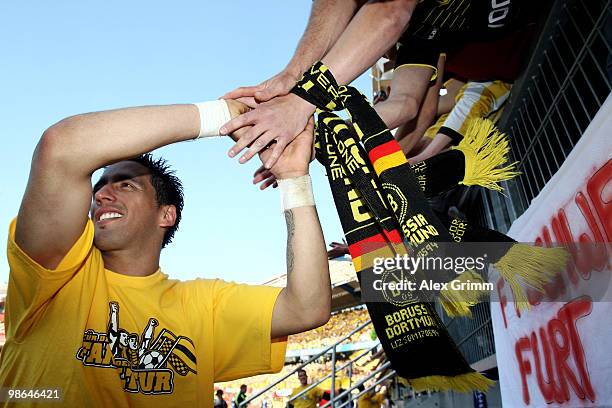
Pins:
<point x="381" y="201"/>
<point x="384" y="212"/>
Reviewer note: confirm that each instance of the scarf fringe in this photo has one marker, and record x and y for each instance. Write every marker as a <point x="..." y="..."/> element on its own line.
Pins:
<point x="458" y="302"/>
<point x="462" y="383"/>
<point x="532" y="265"/>
<point x="485" y="149"/>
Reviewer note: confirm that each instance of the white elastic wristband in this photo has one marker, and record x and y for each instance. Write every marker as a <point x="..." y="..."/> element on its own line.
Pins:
<point x="213" y="115"/>
<point x="295" y="192"/>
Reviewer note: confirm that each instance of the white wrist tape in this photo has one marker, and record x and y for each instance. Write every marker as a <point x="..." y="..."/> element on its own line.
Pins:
<point x="296" y="192"/>
<point x="213" y="115"/>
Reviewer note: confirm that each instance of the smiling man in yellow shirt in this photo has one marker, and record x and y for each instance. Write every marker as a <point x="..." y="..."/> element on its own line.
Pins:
<point x="89" y="314"/>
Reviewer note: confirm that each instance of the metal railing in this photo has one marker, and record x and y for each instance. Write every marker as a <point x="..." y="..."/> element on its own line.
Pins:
<point x="565" y="84"/>
<point x="313" y="358"/>
<point x="550" y="106"/>
<point x="473" y="336"/>
<point x="348" y="394"/>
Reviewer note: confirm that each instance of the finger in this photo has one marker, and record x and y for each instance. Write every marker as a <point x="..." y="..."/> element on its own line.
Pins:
<point x="261" y="176"/>
<point x="243" y="91"/>
<point x="240" y="133"/>
<point x="265" y="176"/>
<point x="238" y="122"/>
<point x="260" y="170"/>
<point x="277" y="150"/>
<point x="310" y="124"/>
<point x="269" y="93"/>
<point x="248" y="101"/>
<point x="258" y="144"/>
<point x="245" y="140"/>
<point x="269" y="182"/>
<point x="281" y="85"/>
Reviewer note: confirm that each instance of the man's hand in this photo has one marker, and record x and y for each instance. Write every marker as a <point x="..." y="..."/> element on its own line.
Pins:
<point x="237" y="108"/>
<point x="337" y="249"/>
<point x="281" y="119"/>
<point x="267" y="177"/>
<point x="294" y="160"/>
<point x="279" y="85"/>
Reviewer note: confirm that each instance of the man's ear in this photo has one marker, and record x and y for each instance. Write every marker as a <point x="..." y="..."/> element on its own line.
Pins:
<point x="167" y="216"/>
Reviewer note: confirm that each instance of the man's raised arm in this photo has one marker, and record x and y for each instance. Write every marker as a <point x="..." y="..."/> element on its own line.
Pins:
<point x="305" y="303"/>
<point x="55" y="205"/>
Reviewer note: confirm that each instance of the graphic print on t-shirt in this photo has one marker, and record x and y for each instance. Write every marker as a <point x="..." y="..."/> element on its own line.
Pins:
<point x="145" y="365"/>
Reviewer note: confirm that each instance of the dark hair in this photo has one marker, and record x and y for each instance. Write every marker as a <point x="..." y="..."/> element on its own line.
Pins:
<point x="301" y="370"/>
<point x="168" y="188"/>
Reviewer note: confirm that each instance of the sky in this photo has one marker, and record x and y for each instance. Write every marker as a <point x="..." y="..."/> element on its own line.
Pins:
<point x="62" y="58"/>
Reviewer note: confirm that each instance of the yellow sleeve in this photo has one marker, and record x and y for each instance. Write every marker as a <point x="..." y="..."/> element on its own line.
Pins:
<point x="295" y="392"/>
<point x="434" y="75"/>
<point x="317" y="393"/>
<point x="31" y="285"/>
<point x="378" y="398"/>
<point x="364" y="400"/>
<point x="242" y="324"/>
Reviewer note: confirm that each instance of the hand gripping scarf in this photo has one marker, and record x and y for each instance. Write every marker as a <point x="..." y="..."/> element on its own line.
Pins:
<point x="381" y="207"/>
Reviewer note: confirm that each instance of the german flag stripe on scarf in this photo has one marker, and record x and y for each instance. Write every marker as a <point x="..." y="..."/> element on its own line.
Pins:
<point x="413" y="337"/>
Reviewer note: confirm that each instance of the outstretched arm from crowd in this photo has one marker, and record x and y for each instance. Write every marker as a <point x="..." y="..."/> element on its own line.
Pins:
<point x="409" y="86"/>
<point x="337" y="249"/>
<point x="445" y="104"/>
<point x="55" y="206"/>
<point x="376" y="27"/>
<point x="411" y="129"/>
<point x="328" y="19"/>
<point x="373" y="30"/>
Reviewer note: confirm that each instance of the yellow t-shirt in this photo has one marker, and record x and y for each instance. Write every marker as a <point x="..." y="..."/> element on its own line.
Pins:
<point x="108" y="339"/>
<point x="370" y="400"/>
<point x="308" y="399"/>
